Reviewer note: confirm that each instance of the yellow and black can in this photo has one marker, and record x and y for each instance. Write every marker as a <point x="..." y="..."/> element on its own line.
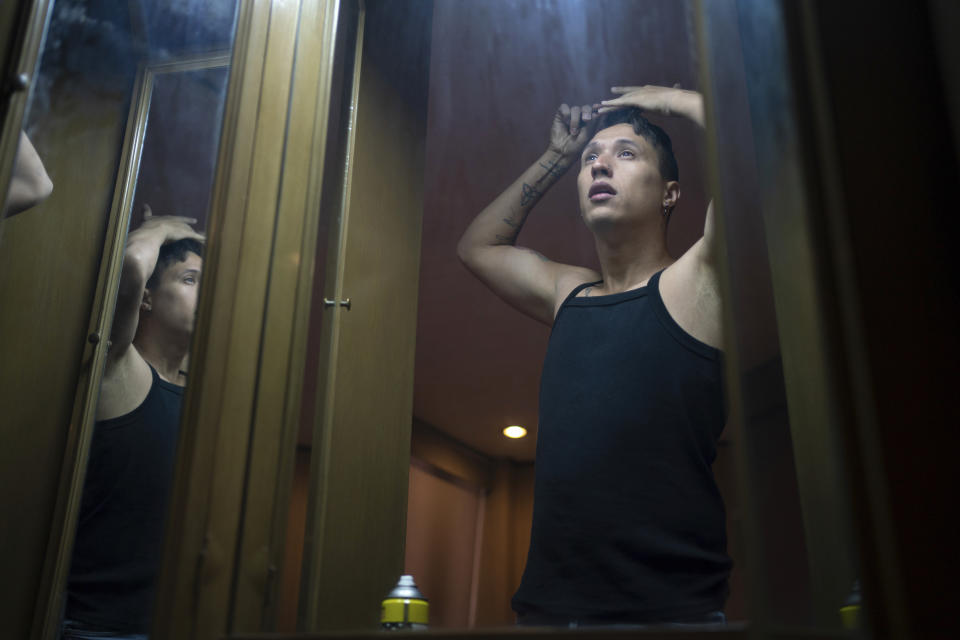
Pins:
<point x="404" y="607"/>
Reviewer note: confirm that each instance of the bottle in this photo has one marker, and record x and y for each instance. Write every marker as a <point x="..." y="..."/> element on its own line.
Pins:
<point x="850" y="611"/>
<point x="404" y="607"/>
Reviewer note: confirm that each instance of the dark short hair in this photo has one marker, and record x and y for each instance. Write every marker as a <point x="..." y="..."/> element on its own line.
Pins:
<point x="650" y="132"/>
<point x="173" y="253"/>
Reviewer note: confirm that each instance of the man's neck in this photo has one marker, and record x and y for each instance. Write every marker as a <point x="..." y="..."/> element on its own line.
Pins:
<point x="628" y="260"/>
<point x="166" y="356"/>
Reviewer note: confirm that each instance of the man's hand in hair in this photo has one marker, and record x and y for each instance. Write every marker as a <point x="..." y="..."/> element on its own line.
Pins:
<point x="162" y="230"/>
<point x="571" y="130"/>
<point x="143" y="249"/>
<point x="667" y="101"/>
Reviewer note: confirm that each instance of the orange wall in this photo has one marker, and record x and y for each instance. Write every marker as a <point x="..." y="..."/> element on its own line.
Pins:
<point x="293" y="550"/>
<point x="444" y="517"/>
<point x="505" y="542"/>
<point x="468" y="528"/>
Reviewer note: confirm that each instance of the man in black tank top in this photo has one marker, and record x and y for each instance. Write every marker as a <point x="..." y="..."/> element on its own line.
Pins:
<point x="628" y="524"/>
<point x="116" y="555"/>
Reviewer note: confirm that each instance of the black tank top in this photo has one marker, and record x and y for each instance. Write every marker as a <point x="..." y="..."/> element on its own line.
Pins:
<point x="116" y="552"/>
<point x="628" y="524"/>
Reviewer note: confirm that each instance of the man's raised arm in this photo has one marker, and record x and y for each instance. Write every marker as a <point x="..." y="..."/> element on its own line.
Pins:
<point x="522" y="277"/>
<point x="668" y="101"/>
<point x="690" y="286"/>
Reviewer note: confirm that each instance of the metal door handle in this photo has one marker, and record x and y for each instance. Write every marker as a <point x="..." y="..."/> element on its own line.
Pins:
<point x="327" y="302"/>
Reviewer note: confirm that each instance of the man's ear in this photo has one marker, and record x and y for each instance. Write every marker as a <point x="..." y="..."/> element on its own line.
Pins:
<point x="671" y="194"/>
<point x="147" y="303"/>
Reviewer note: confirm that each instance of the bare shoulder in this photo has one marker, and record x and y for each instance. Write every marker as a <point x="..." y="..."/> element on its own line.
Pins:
<point x="568" y="279"/>
<point x="690" y="292"/>
<point x="126" y="382"/>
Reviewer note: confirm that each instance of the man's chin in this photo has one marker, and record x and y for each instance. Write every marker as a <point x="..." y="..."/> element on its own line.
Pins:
<point x="602" y="217"/>
<point x="184" y="333"/>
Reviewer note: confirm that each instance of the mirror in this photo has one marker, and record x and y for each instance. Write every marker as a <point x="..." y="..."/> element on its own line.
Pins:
<point x="125" y="115"/>
<point x="497" y="73"/>
<point x="498" y="70"/>
<point x="110" y="85"/>
<point x="171" y="146"/>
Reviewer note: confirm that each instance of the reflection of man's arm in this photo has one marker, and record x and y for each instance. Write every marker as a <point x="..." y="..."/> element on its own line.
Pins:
<point x="524" y="278"/>
<point x="665" y="101"/>
<point x="689" y="287"/>
<point x="30" y="184"/>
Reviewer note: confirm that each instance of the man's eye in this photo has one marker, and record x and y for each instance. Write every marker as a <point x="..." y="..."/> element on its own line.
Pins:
<point x="590" y="157"/>
<point x="627" y="154"/>
<point x="190" y="280"/>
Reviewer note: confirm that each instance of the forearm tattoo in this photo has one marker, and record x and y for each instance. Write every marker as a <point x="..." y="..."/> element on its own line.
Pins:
<point x="552" y="170"/>
<point x="529" y="195"/>
<point x="511" y="234"/>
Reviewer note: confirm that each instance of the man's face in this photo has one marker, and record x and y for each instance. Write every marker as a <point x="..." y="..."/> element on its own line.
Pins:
<point x="174" y="297"/>
<point x="619" y="179"/>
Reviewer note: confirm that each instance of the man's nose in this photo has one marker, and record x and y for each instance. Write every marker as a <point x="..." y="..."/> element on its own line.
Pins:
<point x="600" y="167"/>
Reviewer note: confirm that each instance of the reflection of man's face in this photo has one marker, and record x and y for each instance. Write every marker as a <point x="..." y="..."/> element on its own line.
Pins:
<point x="174" y="297"/>
<point x="619" y="178"/>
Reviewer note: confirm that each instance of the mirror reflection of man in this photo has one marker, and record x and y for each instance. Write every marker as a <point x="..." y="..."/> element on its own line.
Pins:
<point x="29" y="185"/>
<point x="110" y="589"/>
<point x="628" y="523"/>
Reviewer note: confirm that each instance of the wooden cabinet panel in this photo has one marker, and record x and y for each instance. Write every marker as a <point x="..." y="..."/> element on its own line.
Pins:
<point x="361" y="450"/>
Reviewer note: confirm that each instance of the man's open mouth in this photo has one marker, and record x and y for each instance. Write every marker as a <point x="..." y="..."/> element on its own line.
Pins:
<point x="601" y="191"/>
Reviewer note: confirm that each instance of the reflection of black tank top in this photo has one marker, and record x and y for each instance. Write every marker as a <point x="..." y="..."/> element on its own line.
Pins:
<point x="116" y="553"/>
<point x="628" y="524"/>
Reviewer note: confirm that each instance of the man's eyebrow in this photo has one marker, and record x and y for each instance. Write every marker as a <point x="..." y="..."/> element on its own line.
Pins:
<point x="619" y="141"/>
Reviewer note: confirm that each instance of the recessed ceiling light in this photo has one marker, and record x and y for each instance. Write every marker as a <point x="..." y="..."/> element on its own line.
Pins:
<point x="514" y="432"/>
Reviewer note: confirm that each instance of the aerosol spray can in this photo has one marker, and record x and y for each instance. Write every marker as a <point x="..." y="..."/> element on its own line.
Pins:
<point x="850" y="611"/>
<point x="404" y="607"/>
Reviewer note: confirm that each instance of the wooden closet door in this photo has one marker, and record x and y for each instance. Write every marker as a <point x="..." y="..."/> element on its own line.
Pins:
<point x="361" y="448"/>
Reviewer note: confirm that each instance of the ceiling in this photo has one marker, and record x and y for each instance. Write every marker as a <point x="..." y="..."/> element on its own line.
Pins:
<point x="499" y="68"/>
